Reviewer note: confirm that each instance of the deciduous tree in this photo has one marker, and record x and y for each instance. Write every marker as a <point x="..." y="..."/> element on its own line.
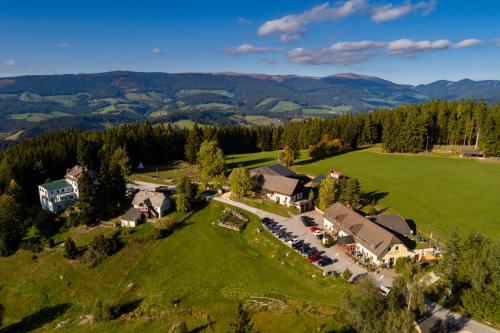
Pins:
<point x="240" y="181"/>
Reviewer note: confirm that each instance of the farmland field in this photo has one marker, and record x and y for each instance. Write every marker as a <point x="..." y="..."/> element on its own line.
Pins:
<point x="436" y="192"/>
<point x="198" y="275"/>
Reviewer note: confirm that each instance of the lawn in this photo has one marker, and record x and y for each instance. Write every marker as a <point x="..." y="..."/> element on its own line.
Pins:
<point x="269" y="206"/>
<point x="436" y="192"/>
<point x="283" y="106"/>
<point x="198" y="275"/>
<point x="168" y="174"/>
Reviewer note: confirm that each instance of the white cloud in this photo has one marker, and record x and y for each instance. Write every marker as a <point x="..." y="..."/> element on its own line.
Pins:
<point x="467" y="43"/>
<point x="156" y="51"/>
<point x="243" y="20"/>
<point x="248" y="49"/>
<point x="10" y="63"/>
<point x="345" y="53"/>
<point x="63" y="45"/>
<point x="292" y="27"/>
<point x="410" y="47"/>
<point x="391" y="12"/>
<point x="338" y="53"/>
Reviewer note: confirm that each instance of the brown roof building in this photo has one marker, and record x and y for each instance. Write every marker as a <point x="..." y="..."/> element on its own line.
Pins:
<point x="393" y="223"/>
<point x="372" y="240"/>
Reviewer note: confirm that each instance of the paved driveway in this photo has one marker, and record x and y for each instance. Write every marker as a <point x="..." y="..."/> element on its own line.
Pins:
<point x="295" y="226"/>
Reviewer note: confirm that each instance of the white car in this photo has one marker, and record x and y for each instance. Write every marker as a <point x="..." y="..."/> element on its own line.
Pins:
<point x="318" y="232"/>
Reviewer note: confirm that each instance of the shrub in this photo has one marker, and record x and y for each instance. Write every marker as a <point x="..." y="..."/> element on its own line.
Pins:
<point x="347" y="274"/>
<point x="70" y="249"/>
<point x="102" y="312"/>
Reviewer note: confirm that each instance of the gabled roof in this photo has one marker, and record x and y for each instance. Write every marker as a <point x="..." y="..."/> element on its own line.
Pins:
<point x="273" y="170"/>
<point x="149" y="198"/>
<point x="56" y="185"/>
<point x="133" y="214"/>
<point x="280" y="184"/>
<point x="365" y="232"/>
<point x="393" y="223"/>
<point x="74" y="173"/>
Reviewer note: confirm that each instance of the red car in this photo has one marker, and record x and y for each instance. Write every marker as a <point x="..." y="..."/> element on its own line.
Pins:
<point x="314" y="257"/>
<point x="313" y="229"/>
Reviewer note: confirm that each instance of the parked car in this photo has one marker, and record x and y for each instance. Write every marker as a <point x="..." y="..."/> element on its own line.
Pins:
<point x="325" y="261"/>
<point x="316" y="256"/>
<point x="297" y="244"/>
<point x="307" y="221"/>
<point x="313" y="229"/>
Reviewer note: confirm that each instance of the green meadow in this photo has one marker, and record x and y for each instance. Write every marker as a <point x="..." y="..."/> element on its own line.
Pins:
<point x="436" y="192"/>
<point x="198" y="275"/>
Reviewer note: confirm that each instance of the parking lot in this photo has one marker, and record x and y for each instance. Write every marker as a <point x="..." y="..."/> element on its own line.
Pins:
<point x="296" y="227"/>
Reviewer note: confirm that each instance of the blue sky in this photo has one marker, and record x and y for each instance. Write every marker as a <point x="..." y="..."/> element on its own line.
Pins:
<point x="411" y="42"/>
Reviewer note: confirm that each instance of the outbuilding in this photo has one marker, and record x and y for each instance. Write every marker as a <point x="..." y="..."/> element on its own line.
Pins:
<point x="132" y="218"/>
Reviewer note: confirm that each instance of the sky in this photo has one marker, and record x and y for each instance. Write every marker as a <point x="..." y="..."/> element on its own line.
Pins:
<point x="417" y="41"/>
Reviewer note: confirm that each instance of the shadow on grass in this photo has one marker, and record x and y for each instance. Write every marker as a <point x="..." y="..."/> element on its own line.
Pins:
<point x="37" y="319"/>
<point x="309" y="160"/>
<point x="233" y="165"/>
<point x="373" y="197"/>
<point x="121" y="309"/>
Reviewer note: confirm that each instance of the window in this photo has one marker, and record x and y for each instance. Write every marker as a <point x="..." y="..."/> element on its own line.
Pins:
<point x="396" y="248"/>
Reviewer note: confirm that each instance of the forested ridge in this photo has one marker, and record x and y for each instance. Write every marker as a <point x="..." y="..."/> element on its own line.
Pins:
<point x="407" y="129"/>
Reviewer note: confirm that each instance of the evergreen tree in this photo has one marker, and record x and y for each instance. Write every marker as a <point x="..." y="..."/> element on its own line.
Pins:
<point x="70" y="249"/>
<point x="327" y="193"/>
<point x="193" y="144"/>
<point x="11" y="225"/>
<point x="185" y="195"/>
<point x="88" y="201"/>
<point x="350" y="192"/>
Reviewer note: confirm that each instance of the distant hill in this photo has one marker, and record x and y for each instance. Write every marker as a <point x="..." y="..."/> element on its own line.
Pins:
<point x="33" y="104"/>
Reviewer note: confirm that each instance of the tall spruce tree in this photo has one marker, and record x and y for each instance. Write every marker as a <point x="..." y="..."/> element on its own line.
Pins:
<point x="193" y="143"/>
<point x="88" y="202"/>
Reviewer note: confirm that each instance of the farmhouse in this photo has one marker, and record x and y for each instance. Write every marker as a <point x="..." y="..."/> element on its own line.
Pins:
<point x="372" y="242"/>
<point x="131" y="218"/>
<point x="278" y="184"/>
<point x="151" y="204"/>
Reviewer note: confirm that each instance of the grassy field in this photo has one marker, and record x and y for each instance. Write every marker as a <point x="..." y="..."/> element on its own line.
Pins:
<point x="37" y="116"/>
<point x="283" y="106"/>
<point x="198" y="275"/>
<point x="168" y="174"/>
<point x="262" y="120"/>
<point x="436" y="192"/>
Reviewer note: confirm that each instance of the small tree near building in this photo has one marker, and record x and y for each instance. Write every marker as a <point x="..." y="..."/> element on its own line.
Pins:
<point x="211" y="162"/>
<point x="240" y="181"/>
<point x="327" y="193"/>
<point x="290" y="154"/>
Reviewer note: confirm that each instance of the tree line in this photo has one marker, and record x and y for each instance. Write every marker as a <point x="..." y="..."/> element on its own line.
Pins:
<point x="114" y="152"/>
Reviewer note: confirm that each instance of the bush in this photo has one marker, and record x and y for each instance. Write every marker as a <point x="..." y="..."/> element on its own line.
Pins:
<point x="402" y="264"/>
<point x="327" y="241"/>
<point x="103" y="247"/>
<point x="347" y="274"/>
<point x="102" y="312"/>
<point x="70" y="249"/>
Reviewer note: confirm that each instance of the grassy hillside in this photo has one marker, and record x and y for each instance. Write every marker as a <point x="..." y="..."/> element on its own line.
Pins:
<point x="436" y="192"/>
<point x="197" y="275"/>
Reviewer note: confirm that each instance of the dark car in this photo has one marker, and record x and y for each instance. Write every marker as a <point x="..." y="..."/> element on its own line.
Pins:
<point x="325" y="261"/>
<point x="266" y="220"/>
<point x="298" y="244"/>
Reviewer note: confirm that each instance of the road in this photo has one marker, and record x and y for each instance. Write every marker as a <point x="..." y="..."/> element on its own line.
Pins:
<point x="440" y="320"/>
<point x="444" y="320"/>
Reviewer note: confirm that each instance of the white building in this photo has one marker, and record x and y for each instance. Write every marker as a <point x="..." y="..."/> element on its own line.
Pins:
<point x="151" y="204"/>
<point x="56" y="196"/>
<point x="278" y="184"/>
<point x="131" y="218"/>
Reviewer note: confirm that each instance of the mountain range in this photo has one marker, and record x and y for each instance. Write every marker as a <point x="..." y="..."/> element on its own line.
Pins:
<point x="33" y="104"/>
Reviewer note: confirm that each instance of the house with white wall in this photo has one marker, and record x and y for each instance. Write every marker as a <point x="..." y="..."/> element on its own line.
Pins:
<point x="278" y="184"/>
<point x="151" y="204"/>
<point x="56" y="196"/>
<point x="373" y="242"/>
